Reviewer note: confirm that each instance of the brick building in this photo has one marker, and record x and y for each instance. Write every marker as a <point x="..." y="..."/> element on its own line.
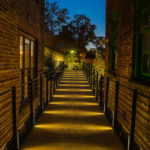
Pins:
<point x="21" y="54"/>
<point x="127" y="73"/>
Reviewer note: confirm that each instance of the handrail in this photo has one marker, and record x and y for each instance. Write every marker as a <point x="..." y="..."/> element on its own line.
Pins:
<point x="17" y="96"/>
<point x="5" y="92"/>
<point x="112" y="113"/>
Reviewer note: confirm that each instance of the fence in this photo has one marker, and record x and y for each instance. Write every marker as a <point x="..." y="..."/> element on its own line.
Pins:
<point x="21" y="106"/>
<point x="126" y="108"/>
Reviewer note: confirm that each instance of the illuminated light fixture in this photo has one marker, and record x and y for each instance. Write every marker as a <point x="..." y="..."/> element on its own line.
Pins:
<point x="72" y="52"/>
<point x="74" y="85"/>
<point x="73" y="96"/>
<point x="74" y="90"/>
<point x="74" y="103"/>
<point x="81" y="54"/>
<point x="78" y="127"/>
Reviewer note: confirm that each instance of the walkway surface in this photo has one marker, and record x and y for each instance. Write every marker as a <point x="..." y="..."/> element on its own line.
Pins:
<point x="73" y="120"/>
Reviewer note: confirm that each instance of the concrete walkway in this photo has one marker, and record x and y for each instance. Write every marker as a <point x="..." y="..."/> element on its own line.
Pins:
<point x="73" y="120"/>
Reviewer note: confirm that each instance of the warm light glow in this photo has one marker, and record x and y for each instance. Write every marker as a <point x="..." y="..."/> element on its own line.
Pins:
<point x="71" y="113"/>
<point x="74" y="103"/>
<point x="71" y="74"/>
<point x="72" y="51"/>
<point x="74" y="90"/>
<point x="74" y="82"/>
<point x="81" y="128"/>
<point x="81" y="55"/>
<point x="68" y="73"/>
<point x="76" y="79"/>
<point x="62" y="146"/>
<point x="74" y="85"/>
<point x="73" y="96"/>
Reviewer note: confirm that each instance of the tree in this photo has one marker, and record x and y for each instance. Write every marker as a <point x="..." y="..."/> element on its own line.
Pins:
<point x="55" y="18"/>
<point x="68" y="36"/>
<point x="100" y="46"/>
<point x="82" y="30"/>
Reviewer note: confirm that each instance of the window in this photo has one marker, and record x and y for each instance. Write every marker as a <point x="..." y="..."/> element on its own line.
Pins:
<point x="113" y="41"/>
<point x="27" y="64"/>
<point x="142" y="68"/>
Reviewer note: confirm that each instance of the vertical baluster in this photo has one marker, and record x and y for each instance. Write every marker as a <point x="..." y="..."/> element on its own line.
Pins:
<point x="134" y="101"/>
<point x="101" y="91"/>
<point x="41" y="93"/>
<point x="91" y="75"/>
<point x="97" y="86"/>
<point x="94" y="81"/>
<point x="116" y="104"/>
<point x="31" y="102"/>
<point x="106" y="100"/>
<point x="47" y="89"/>
<point x="14" y="118"/>
<point x="51" y="87"/>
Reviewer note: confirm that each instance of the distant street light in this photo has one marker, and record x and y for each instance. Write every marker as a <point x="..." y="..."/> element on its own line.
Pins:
<point x="72" y="51"/>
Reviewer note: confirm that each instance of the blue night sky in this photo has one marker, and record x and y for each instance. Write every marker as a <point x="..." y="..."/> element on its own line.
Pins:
<point x="94" y="9"/>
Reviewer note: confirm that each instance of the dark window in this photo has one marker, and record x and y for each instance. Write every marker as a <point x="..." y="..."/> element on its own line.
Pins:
<point x="143" y="40"/>
<point x="113" y="41"/>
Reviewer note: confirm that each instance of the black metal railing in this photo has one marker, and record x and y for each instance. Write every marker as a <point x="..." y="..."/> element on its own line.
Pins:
<point x="96" y="81"/>
<point x="17" y="114"/>
<point x="124" y="106"/>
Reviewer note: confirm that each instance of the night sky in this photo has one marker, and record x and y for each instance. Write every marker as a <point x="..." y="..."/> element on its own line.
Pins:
<point x="94" y="9"/>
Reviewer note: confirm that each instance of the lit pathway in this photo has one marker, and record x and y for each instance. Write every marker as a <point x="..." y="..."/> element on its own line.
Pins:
<point x="72" y="121"/>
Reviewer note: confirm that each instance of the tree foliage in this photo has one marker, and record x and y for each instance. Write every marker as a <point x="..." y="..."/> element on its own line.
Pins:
<point x="82" y="30"/>
<point x="79" y="30"/>
<point x="55" y="18"/>
<point x="100" y="47"/>
<point x="99" y="63"/>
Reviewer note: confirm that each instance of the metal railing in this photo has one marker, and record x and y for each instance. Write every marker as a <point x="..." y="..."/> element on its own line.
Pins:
<point x="96" y="82"/>
<point x="122" y="106"/>
<point x="18" y="112"/>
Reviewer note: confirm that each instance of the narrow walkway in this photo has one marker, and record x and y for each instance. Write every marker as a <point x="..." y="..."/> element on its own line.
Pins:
<point x="72" y="121"/>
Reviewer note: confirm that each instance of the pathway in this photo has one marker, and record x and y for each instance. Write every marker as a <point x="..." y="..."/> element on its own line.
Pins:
<point x="73" y="120"/>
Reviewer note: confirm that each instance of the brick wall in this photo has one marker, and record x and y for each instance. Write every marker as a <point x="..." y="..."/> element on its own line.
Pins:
<point x="16" y="17"/>
<point x="124" y="73"/>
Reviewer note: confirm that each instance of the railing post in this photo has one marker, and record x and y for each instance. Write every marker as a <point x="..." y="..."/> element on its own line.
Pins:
<point x="94" y="81"/>
<point x="97" y="86"/>
<point x="57" y="79"/>
<point x="14" y="118"/>
<point x="101" y="91"/>
<point x="116" y="105"/>
<point x="106" y="100"/>
<point x="134" y="101"/>
<point x="41" y="94"/>
<point x="51" y="88"/>
<point x="31" y="103"/>
<point x="91" y="76"/>
<point x="47" y="89"/>
<point x="54" y="83"/>
<point x="89" y="73"/>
